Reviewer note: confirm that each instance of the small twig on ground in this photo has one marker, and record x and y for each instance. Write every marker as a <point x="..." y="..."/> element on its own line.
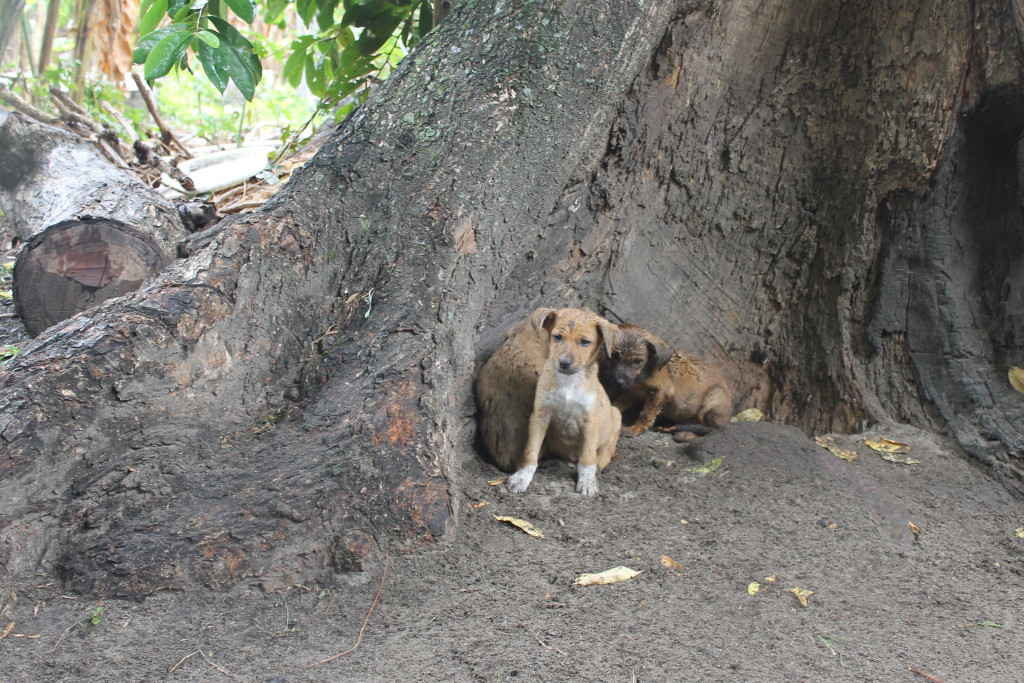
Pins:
<point x="242" y="206"/>
<point x="208" y="661"/>
<point x="914" y="669"/>
<point x="550" y="647"/>
<point x="366" y="619"/>
<point x="66" y="632"/>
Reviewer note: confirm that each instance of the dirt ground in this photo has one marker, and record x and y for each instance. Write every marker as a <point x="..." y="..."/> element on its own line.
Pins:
<point x="944" y="604"/>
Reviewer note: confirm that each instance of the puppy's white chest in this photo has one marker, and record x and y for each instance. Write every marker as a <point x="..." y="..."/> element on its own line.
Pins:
<point x="570" y="400"/>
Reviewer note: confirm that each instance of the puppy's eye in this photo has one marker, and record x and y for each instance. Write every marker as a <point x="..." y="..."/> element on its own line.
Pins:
<point x="638" y="361"/>
<point x="585" y="342"/>
<point x="557" y="337"/>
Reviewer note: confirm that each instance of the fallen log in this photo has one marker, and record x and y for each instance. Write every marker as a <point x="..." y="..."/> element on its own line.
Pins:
<point x="90" y="231"/>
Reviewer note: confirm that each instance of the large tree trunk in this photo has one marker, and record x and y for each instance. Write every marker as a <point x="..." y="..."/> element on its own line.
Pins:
<point x="789" y="187"/>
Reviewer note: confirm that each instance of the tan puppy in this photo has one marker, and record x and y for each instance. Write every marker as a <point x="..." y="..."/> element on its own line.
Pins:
<point x="506" y="387"/>
<point x="570" y="415"/>
<point x="681" y="388"/>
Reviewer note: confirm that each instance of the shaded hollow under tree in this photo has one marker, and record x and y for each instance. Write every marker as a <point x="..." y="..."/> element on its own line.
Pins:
<point x="822" y="195"/>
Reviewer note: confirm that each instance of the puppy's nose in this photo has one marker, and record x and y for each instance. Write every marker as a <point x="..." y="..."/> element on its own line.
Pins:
<point x="564" y="363"/>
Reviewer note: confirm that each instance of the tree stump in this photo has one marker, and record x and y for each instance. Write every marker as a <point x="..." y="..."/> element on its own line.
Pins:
<point x="91" y="231"/>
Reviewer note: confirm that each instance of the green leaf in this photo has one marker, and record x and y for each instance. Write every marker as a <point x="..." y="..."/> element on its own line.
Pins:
<point x="209" y="37"/>
<point x="241" y="72"/>
<point x="175" y="6"/>
<point x="292" y="70"/>
<point x="345" y="37"/>
<point x="364" y="13"/>
<point x="151" y="16"/>
<point x="183" y="15"/>
<point x="229" y="34"/>
<point x="314" y="77"/>
<point x="166" y="54"/>
<point x="245" y="9"/>
<point x="377" y="32"/>
<point x="354" y="64"/>
<point x="148" y="42"/>
<point x="325" y="15"/>
<point x="213" y="65"/>
<point x="306" y="10"/>
<point x="426" y="23"/>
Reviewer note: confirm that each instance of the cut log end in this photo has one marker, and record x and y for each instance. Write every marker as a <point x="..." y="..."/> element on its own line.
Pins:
<point x="76" y="264"/>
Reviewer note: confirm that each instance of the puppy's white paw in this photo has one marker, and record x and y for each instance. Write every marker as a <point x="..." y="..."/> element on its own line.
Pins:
<point x="520" y="481"/>
<point x="586" y="480"/>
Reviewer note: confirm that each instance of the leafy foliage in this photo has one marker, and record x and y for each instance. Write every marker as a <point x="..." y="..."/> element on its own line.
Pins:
<point x="348" y="47"/>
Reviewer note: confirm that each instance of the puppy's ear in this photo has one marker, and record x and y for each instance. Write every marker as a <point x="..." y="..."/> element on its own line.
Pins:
<point x="658" y="352"/>
<point x="543" y="319"/>
<point x="611" y="336"/>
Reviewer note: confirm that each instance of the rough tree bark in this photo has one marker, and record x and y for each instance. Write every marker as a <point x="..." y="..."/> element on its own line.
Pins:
<point x="789" y="187"/>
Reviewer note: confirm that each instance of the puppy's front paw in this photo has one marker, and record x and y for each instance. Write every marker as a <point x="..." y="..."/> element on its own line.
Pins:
<point x="520" y="481"/>
<point x="586" y="480"/>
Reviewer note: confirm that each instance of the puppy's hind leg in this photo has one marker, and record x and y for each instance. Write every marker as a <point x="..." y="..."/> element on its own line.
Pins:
<point x="608" y="450"/>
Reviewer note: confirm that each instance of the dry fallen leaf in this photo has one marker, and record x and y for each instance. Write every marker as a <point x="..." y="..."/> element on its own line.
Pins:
<point x="1020" y="532"/>
<point x="801" y="595"/>
<point x="7" y="630"/>
<point x="748" y="415"/>
<point x="1017" y="379"/>
<point x="771" y="579"/>
<point x="914" y="529"/>
<point x="708" y="467"/>
<point x="887" y="446"/>
<point x="670" y="563"/>
<point x="753" y="587"/>
<point x="498" y="482"/>
<point x="481" y="504"/>
<point x="829" y="444"/>
<point x="613" y="575"/>
<point x="891" y="457"/>
<point x="521" y="524"/>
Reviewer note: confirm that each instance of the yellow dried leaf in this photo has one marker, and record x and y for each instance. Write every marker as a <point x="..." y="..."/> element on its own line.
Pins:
<point x="498" y="482"/>
<point x="1017" y="379"/>
<point x="481" y="504"/>
<point x="708" y="467"/>
<point x="521" y="524"/>
<point x="7" y="630"/>
<point x="829" y="444"/>
<point x="753" y="587"/>
<point x="801" y="595"/>
<point x="748" y="415"/>
<point x="670" y="563"/>
<point x="771" y="579"/>
<point x="614" y="575"/>
<point x="914" y="529"/>
<point x="1020" y="532"/>
<point x="887" y="446"/>
<point x="891" y="457"/>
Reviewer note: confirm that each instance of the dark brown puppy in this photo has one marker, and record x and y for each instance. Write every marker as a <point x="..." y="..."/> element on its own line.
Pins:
<point x="569" y="414"/>
<point x="683" y="389"/>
